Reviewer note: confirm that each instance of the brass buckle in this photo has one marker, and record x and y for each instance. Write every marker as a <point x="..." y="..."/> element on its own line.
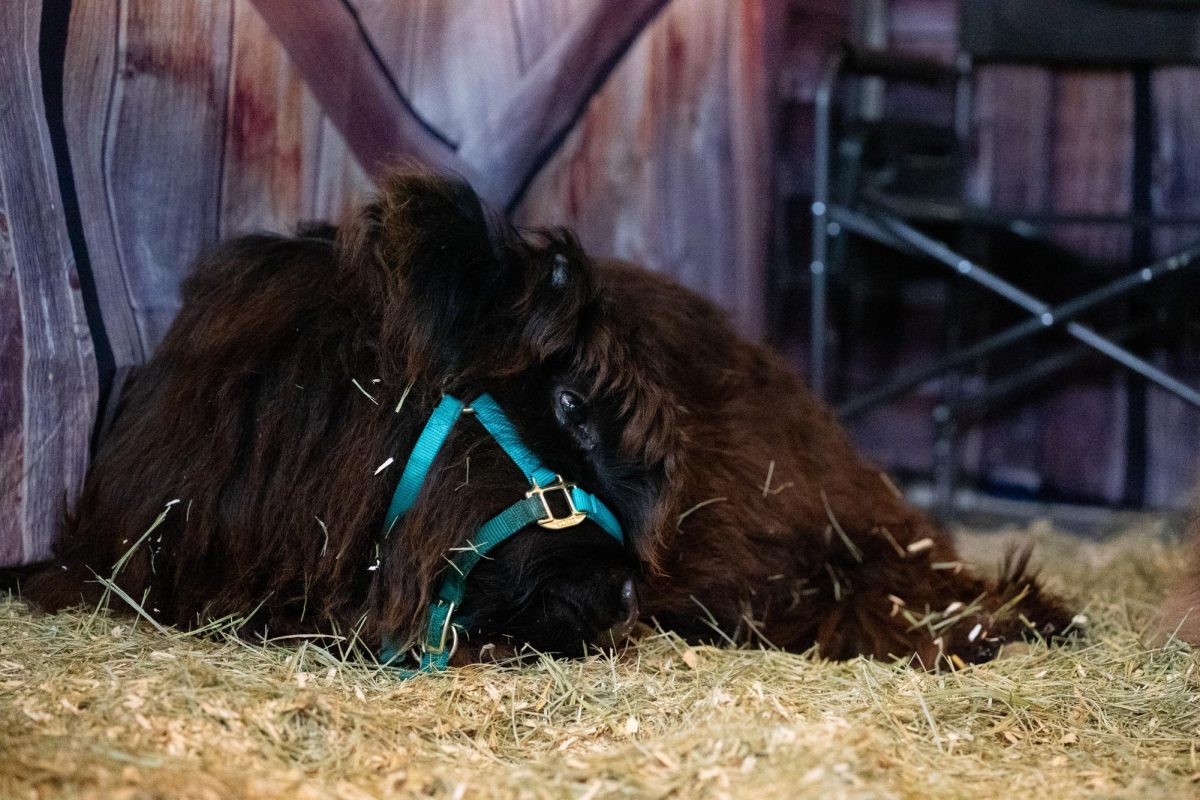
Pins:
<point x="446" y="628"/>
<point x="550" y="521"/>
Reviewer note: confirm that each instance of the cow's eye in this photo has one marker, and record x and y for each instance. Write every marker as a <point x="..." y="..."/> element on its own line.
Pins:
<point x="572" y="409"/>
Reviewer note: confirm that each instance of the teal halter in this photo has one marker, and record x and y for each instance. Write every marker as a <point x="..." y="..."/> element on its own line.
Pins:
<point x="533" y="507"/>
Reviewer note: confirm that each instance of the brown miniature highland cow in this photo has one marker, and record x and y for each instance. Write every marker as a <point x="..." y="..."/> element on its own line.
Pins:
<point x="274" y="419"/>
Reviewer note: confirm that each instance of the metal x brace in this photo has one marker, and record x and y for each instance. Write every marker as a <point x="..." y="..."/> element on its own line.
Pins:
<point x="892" y="231"/>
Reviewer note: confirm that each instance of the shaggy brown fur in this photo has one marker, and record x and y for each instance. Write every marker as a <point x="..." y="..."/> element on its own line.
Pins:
<point x="1180" y="614"/>
<point x="750" y="515"/>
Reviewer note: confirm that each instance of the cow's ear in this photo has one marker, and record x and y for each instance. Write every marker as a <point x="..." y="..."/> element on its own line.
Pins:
<point x="435" y="267"/>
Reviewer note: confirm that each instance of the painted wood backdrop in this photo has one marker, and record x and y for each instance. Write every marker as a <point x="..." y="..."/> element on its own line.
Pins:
<point x="645" y="124"/>
<point x="133" y="133"/>
<point x="47" y="367"/>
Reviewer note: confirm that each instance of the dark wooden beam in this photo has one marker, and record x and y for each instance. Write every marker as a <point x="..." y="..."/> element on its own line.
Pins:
<point x="511" y="146"/>
<point x="361" y="96"/>
<point x="327" y="45"/>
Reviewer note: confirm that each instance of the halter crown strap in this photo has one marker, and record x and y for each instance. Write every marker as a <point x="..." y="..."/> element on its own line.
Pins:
<point x="441" y="633"/>
<point x="428" y="445"/>
<point x="498" y="425"/>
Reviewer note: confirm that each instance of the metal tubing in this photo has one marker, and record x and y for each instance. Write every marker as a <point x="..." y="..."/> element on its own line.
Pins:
<point x="864" y="225"/>
<point x="1041" y="370"/>
<point x="820" y="222"/>
<point x="945" y="462"/>
<point x="1052" y="317"/>
<point x="965" y="267"/>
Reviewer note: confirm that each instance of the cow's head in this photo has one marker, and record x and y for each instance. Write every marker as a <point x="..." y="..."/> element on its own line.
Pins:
<point x="466" y="304"/>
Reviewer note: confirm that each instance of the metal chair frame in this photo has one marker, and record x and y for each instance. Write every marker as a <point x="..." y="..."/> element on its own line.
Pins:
<point x="873" y="219"/>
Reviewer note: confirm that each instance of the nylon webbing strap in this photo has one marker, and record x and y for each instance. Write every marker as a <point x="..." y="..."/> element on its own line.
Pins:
<point x="497" y="424"/>
<point x="428" y="445"/>
<point x="441" y="632"/>
<point x="520" y="514"/>
<point x="597" y="512"/>
<point x="437" y="643"/>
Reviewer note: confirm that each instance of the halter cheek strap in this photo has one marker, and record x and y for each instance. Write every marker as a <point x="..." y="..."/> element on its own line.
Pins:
<point x="441" y="632"/>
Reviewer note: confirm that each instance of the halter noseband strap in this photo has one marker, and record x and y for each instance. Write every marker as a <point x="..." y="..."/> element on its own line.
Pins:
<point x="532" y="508"/>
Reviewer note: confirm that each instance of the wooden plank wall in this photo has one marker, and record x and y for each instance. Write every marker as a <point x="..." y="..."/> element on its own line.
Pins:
<point x="285" y="161"/>
<point x="47" y="369"/>
<point x="671" y="166"/>
<point x="1174" y="437"/>
<point x="243" y="146"/>
<point x="184" y="123"/>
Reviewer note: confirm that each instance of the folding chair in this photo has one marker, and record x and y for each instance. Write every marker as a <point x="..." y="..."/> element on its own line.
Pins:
<point x="894" y="201"/>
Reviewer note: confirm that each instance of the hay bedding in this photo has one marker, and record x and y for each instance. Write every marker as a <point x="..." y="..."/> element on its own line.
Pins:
<point x="93" y="705"/>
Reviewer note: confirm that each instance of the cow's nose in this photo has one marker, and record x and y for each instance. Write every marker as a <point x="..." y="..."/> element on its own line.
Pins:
<point x="629" y="604"/>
